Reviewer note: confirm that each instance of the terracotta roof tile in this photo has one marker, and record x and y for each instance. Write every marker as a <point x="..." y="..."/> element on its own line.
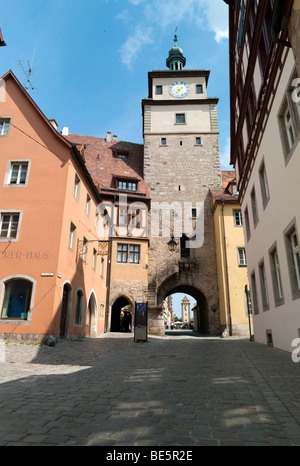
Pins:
<point x="105" y="167"/>
<point x="227" y="177"/>
<point x="224" y="196"/>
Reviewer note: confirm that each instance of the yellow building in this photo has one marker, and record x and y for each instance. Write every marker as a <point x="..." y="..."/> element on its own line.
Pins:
<point x="231" y="258"/>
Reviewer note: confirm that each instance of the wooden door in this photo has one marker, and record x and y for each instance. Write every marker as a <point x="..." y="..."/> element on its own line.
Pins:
<point x="63" y="315"/>
<point x="88" y="320"/>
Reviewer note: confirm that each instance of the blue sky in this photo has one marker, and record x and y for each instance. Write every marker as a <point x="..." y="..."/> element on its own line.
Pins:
<point x="90" y="59"/>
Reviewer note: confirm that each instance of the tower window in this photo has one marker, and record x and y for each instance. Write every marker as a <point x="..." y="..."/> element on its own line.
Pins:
<point x="199" y="89"/>
<point x="198" y="141"/>
<point x="163" y="141"/>
<point x="159" y="90"/>
<point x="180" y="118"/>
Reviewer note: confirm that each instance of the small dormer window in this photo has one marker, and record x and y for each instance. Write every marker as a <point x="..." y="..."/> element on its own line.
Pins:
<point x="132" y="186"/>
<point x="127" y="185"/>
<point x="122" y="185"/>
<point x="235" y="190"/>
<point x="122" y="156"/>
<point x="120" y="153"/>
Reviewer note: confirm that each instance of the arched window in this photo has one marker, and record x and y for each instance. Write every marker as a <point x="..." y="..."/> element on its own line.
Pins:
<point x="17" y="299"/>
<point x="78" y="307"/>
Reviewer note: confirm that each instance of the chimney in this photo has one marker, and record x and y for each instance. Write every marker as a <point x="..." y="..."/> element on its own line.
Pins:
<point x="108" y="136"/>
<point x="115" y="138"/>
<point x="65" y="131"/>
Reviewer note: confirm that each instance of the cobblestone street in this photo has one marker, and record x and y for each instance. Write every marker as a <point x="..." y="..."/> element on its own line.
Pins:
<point x="177" y="390"/>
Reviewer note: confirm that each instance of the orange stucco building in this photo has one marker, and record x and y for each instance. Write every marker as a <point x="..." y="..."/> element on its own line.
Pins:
<point x="52" y="275"/>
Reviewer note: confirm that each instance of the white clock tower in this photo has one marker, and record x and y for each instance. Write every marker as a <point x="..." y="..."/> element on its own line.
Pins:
<point x="181" y="163"/>
<point x="186" y="310"/>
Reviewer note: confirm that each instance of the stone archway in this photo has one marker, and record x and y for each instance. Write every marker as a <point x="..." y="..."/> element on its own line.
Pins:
<point x="202" y="320"/>
<point x="121" y="315"/>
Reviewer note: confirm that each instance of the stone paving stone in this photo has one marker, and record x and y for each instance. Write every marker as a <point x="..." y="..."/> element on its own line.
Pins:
<point x="167" y="392"/>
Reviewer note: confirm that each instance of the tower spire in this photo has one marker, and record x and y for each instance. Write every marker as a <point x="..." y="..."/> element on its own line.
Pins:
<point x="176" y="61"/>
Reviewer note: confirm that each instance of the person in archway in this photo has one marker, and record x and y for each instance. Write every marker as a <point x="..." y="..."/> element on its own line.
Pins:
<point x="126" y="321"/>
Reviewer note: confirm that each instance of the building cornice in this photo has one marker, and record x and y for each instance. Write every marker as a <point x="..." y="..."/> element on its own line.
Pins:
<point x="207" y="101"/>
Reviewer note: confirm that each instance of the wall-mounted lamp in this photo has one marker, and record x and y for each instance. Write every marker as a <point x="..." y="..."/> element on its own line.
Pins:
<point x="172" y="244"/>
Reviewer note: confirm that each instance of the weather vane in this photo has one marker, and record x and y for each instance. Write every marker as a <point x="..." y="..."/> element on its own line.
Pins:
<point x="175" y="36"/>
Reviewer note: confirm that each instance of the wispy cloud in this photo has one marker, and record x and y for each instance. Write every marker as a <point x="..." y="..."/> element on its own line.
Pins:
<point x="136" y="2"/>
<point x="134" y="44"/>
<point x="210" y="15"/>
<point x="216" y="14"/>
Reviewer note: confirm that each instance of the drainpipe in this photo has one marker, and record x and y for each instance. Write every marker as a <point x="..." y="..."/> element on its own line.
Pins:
<point x="227" y="279"/>
<point x="108" y="274"/>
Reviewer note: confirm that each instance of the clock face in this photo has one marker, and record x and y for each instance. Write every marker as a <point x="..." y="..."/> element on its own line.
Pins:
<point x="179" y="89"/>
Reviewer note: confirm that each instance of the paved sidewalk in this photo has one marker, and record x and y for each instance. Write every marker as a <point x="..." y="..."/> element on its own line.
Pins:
<point x="171" y="391"/>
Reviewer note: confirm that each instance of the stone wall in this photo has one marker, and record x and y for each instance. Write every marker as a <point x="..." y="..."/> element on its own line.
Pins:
<point x="182" y="172"/>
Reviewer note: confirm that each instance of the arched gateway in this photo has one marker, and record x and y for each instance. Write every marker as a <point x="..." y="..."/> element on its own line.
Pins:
<point x="201" y="315"/>
<point x="121" y="315"/>
<point x="207" y="315"/>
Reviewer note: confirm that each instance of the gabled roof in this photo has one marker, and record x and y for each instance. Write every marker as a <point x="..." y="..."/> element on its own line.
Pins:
<point x="106" y="168"/>
<point x="185" y="298"/>
<point x="73" y="149"/>
<point x="10" y="75"/>
<point x="228" y="177"/>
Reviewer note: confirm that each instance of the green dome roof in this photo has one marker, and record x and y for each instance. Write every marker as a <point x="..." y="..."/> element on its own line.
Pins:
<point x="175" y="51"/>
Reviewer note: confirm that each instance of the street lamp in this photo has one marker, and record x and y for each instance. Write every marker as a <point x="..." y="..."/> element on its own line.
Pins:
<point x="172" y="244"/>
